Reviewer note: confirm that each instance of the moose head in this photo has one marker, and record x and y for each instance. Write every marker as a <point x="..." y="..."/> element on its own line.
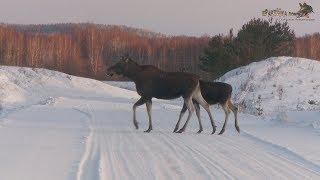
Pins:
<point x="124" y="67"/>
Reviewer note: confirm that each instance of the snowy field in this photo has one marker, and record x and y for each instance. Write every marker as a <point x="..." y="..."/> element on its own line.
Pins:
<point x="56" y="126"/>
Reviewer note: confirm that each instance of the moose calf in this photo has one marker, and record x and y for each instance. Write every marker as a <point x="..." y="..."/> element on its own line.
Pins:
<point x="213" y="93"/>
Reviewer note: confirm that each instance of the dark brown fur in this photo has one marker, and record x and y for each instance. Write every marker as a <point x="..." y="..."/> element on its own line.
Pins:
<point x="152" y="82"/>
<point x="216" y="93"/>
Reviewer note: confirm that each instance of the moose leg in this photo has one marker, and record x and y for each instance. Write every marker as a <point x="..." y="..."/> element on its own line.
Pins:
<point x="189" y="104"/>
<point x="198" y="97"/>
<point x="183" y="110"/>
<point x="138" y="103"/>
<point x="197" y="107"/>
<point x="149" y="106"/>
<point x="226" y="112"/>
<point x="234" y="109"/>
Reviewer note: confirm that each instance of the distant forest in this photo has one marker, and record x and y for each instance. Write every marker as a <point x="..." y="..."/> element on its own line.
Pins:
<point x="87" y="49"/>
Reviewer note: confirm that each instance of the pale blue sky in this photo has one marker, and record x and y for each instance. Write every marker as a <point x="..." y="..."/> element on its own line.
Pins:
<point x="173" y="17"/>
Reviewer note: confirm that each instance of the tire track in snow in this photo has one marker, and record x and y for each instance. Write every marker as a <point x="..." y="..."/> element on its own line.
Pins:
<point x="208" y="164"/>
<point x="268" y="155"/>
<point x="287" y="155"/>
<point x="264" y="161"/>
<point x="190" y="164"/>
<point x="280" y="168"/>
<point x="89" y="167"/>
<point x="276" y="153"/>
<point x="201" y="158"/>
<point x="210" y="168"/>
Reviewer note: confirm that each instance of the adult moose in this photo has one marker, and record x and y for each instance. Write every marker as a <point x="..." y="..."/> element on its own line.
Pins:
<point x="152" y="82"/>
<point x="213" y="93"/>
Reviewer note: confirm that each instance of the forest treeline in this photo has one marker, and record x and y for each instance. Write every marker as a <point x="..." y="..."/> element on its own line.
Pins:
<point x="87" y="49"/>
<point x="308" y="46"/>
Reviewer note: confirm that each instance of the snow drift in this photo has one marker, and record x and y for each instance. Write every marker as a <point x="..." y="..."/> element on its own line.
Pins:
<point x="275" y="85"/>
<point x="21" y="86"/>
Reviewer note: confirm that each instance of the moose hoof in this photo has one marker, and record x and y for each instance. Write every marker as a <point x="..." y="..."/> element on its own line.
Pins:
<point x="200" y="130"/>
<point x="175" y="130"/>
<point x="238" y="129"/>
<point x="180" y="131"/>
<point x="136" y="125"/>
<point x="147" y="131"/>
<point x="213" y="131"/>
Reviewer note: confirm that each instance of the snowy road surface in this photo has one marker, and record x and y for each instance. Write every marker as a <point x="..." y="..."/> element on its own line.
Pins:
<point x="85" y="133"/>
<point x="94" y="139"/>
<point x="116" y="151"/>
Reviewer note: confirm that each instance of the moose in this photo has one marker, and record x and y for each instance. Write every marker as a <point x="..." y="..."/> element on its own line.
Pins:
<point x="152" y="82"/>
<point x="213" y="93"/>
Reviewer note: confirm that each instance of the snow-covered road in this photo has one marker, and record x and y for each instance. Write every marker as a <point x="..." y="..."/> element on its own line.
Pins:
<point x="114" y="150"/>
<point x="94" y="139"/>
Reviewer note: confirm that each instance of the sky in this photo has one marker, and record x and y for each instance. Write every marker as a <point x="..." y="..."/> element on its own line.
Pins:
<point x="171" y="17"/>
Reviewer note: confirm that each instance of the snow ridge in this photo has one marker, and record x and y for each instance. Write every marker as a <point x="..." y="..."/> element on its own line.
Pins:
<point x="276" y="84"/>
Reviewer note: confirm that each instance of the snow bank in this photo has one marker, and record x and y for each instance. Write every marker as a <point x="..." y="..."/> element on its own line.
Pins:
<point x="276" y="84"/>
<point x="122" y="84"/>
<point x="21" y="86"/>
<point x="298" y="118"/>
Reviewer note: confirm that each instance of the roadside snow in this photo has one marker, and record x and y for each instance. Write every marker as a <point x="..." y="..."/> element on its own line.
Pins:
<point x="122" y="84"/>
<point x="22" y="87"/>
<point x="276" y="84"/>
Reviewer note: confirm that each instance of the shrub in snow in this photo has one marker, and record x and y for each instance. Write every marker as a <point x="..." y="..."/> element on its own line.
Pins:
<point x="259" y="108"/>
<point x="312" y="102"/>
<point x="280" y="92"/>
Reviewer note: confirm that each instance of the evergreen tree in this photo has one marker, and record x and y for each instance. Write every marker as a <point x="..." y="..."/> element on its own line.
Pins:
<point x="256" y="40"/>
